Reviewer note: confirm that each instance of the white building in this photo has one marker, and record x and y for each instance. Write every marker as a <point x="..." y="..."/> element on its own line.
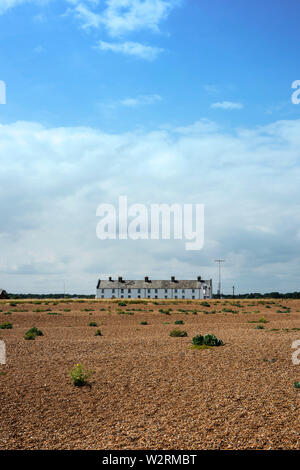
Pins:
<point x="153" y="289"/>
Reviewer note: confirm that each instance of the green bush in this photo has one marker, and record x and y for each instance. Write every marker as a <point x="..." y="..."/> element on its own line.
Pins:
<point x="259" y="327"/>
<point x="6" y="326"/>
<point x="144" y="323"/>
<point x="165" y="311"/>
<point x="297" y="384"/>
<point x="33" y="333"/>
<point x="79" y="375"/>
<point x="179" y="322"/>
<point x="98" y="333"/>
<point x="178" y="333"/>
<point x="208" y="340"/>
<point x="93" y="323"/>
<point x="122" y="303"/>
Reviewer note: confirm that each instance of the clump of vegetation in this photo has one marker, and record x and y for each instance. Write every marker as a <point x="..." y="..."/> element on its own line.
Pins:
<point x="259" y="327"/>
<point x="230" y="310"/>
<point x="98" y="333"/>
<point x="87" y="310"/>
<point x="53" y="313"/>
<point x="179" y="322"/>
<point x="178" y="333"/>
<point x="67" y="310"/>
<point x="205" y="304"/>
<point x="208" y="340"/>
<point x="263" y="320"/>
<point x="296" y="384"/>
<point x="79" y="375"/>
<point x="195" y="312"/>
<point x="144" y="323"/>
<point x="122" y="303"/>
<point x="5" y="326"/>
<point x="93" y="323"/>
<point x="165" y="311"/>
<point x="33" y="333"/>
<point x="271" y="361"/>
<point x="209" y="312"/>
<point x="12" y="304"/>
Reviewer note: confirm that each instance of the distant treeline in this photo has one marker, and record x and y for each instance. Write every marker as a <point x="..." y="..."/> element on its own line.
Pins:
<point x="50" y="296"/>
<point x="257" y="295"/>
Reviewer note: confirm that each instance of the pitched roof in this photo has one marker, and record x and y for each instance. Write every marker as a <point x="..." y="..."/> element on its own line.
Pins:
<point x="151" y="284"/>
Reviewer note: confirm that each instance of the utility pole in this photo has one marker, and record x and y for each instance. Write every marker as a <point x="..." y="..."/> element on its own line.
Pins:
<point x="233" y="291"/>
<point x="219" y="285"/>
<point x="64" y="289"/>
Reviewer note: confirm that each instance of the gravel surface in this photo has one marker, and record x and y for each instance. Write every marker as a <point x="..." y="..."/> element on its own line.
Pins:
<point x="149" y="390"/>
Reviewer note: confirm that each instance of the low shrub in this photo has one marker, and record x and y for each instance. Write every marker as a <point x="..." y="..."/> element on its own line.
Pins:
<point x="93" y="323"/>
<point x="122" y="304"/>
<point x="79" y="375"/>
<point x="6" y="326"/>
<point x="208" y="340"/>
<point x="297" y="384"/>
<point x="144" y="323"/>
<point x="33" y="333"/>
<point x="259" y="327"/>
<point x="179" y="322"/>
<point x="165" y="311"/>
<point x="178" y="333"/>
<point x="98" y="333"/>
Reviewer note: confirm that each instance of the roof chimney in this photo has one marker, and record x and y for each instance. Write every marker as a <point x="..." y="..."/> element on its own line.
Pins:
<point x="173" y="279"/>
<point x="110" y="278"/>
<point x="199" y="278"/>
<point x="120" y="279"/>
<point x="146" y="279"/>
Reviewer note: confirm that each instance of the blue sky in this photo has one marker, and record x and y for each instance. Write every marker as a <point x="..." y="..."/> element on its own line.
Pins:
<point x="163" y="101"/>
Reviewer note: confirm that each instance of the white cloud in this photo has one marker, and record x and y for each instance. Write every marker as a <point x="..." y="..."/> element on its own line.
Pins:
<point x="123" y="16"/>
<point x="227" y="105"/>
<point x="49" y="192"/>
<point x="132" y="49"/>
<point x="140" y="100"/>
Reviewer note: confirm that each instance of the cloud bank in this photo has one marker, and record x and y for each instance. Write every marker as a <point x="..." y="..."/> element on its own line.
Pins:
<point x="53" y="179"/>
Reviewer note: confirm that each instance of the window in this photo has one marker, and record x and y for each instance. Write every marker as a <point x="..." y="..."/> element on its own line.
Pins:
<point x="148" y="292"/>
<point x="183" y="297"/>
<point x="182" y="291"/>
<point x="166" y="296"/>
<point x="156" y="291"/>
<point x="122" y="290"/>
<point x="122" y="296"/>
<point x="113" y="291"/>
<point x="193" y="291"/>
<point x="129" y="291"/>
<point x="175" y="290"/>
<point x="139" y="296"/>
<point x="102" y="291"/>
<point x="156" y="296"/>
<point x="193" y="296"/>
<point x="129" y="296"/>
<point x="102" y="296"/>
<point x="166" y="291"/>
<point x="148" y="296"/>
<point x="175" y="296"/>
<point x="139" y="291"/>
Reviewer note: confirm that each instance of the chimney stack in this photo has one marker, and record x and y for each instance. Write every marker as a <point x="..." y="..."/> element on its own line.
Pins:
<point x="173" y="279"/>
<point x="146" y="279"/>
<point x="199" y="278"/>
<point x="110" y="278"/>
<point x="120" y="279"/>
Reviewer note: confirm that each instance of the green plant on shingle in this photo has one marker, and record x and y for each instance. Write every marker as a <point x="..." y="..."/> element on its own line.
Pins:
<point x="79" y="375"/>
<point x="259" y="327"/>
<point x="32" y="333"/>
<point x="93" y="323"/>
<point x="208" y="340"/>
<point x="98" y="333"/>
<point x="165" y="311"/>
<point x="144" y="323"/>
<point x="297" y="384"/>
<point x="179" y="322"/>
<point x="6" y="326"/>
<point x="178" y="333"/>
<point x="122" y="303"/>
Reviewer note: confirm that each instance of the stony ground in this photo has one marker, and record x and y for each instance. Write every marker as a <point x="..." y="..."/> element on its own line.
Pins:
<point x="149" y="390"/>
